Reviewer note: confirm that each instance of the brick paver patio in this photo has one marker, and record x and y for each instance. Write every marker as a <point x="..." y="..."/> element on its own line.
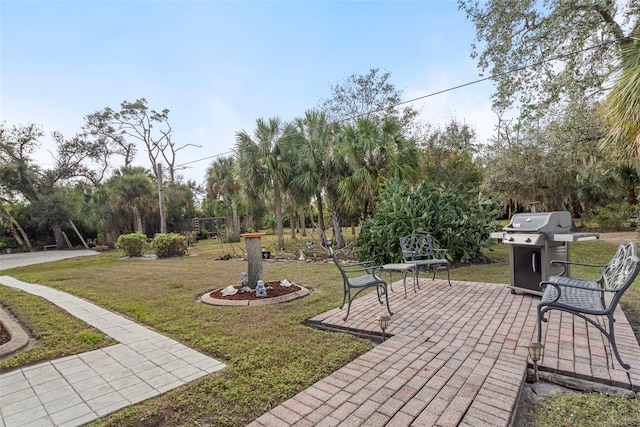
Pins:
<point x="457" y="356"/>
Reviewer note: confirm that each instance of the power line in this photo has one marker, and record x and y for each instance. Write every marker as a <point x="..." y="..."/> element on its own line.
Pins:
<point x="205" y="158"/>
<point x="440" y="92"/>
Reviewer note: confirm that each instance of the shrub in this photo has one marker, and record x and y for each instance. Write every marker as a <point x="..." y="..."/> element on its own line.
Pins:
<point x="169" y="244"/>
<point x="205" y="234"/>
<point x="132" y="244"/>
<point x="454" y="220"/>
<point x="614" y="217"/>
<point x="227" y="235"/>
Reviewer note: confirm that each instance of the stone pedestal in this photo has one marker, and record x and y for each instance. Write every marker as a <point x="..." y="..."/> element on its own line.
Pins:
<point x="254" y="257"/>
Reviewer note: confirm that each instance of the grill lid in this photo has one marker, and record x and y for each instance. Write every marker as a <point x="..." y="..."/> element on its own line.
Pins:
<point x="542" y="222"/>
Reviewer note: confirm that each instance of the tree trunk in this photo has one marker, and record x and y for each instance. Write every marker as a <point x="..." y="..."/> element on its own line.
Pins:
<point x="14" y="225"/>
<point x="279" y="227"/>
<point x="303" y="225"/>
<point x="137" y="219"/>
<point x="235" y="220"/>
<point x="57" y="234"/>
<point x="293" y="222"/>
<point x="163" y="219"/>
<point x="321" y="222"/>
<point x="335" y="220"/>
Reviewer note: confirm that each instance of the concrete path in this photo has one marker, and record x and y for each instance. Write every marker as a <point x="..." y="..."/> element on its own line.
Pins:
<point x="21" y="259"/>
<point x="75" y="390"/>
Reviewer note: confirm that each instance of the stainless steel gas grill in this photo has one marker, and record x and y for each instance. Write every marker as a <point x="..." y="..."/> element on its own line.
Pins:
<point x="535" y="239"/>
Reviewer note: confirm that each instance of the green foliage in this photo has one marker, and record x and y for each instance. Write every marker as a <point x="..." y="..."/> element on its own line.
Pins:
<point x="511" y="36"/>
<point x="169" y="245"/>
<point x="90" y="337"/>
<point x="455" y="222"/>
<point x="205" y="234"/>
<point x="4" y="242"/>
<point x="132" y="244"/>
<point x="615" y="216"/>
<point x="448" y="157"/>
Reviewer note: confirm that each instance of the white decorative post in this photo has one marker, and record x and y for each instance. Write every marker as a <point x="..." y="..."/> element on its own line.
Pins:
<point x="254" y="257"/>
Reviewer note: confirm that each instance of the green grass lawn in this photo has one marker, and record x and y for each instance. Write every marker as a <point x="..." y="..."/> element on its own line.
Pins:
<point x="270" y="354"/>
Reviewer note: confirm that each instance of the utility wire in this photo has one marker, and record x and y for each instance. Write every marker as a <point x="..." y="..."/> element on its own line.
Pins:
<point x="440" y="92"/>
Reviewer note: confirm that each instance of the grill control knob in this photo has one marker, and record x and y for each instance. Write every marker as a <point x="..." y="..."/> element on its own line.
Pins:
<point x="510" y="238"/>
<point x="528" y="240"/>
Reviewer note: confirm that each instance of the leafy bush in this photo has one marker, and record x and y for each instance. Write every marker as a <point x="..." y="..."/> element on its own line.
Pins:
<point x="169" y="244"/>
<point x="615" y="216"/>
<point x="205" y="234"/>
<point x="454" y="221"/>
<point x="132" y="244"/>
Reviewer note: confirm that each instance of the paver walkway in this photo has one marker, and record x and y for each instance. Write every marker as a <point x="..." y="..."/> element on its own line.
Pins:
<point x="457" y="357"/>
<point x="75" y="390"/>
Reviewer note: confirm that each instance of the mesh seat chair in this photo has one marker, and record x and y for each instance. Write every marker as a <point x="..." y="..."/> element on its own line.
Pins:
<point x="360" y="276"/>
<point x="418" y="249"/>
<point x="589" y="298"/>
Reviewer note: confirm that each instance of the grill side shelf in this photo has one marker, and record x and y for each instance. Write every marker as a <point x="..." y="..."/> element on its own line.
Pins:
<point x="573" y="237"/>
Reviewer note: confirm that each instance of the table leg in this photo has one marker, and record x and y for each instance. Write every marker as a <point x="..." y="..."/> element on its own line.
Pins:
<point x="404" y="281"/>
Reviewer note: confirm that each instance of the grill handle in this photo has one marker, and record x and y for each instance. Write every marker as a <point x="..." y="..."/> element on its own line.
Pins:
<point x="533" y="262"/>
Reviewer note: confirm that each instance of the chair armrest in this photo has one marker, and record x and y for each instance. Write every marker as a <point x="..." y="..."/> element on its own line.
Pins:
<point x="558" y="261"/>
<point x="565" y="264"/>
<point x="365" y="266"/>
<point x="569" y="285"/>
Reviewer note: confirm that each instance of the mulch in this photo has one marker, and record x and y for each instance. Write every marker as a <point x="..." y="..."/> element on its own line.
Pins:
<point x="274" y="289"/>
<point x="4" y="335"/>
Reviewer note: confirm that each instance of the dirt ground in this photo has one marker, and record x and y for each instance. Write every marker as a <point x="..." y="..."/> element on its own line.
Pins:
<point x="617" y="237"/>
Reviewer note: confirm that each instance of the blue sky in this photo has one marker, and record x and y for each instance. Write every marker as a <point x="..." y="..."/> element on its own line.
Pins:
<point x="218" y="66"/>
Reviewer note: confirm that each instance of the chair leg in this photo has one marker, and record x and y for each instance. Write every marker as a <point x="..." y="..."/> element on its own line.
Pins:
<point x="344" y="298"/>
<point x="614" y="346"/>
<point x="348" y="309"/>
<point x="540" y="319"/>
<point x="379" y="294"/>
<point x="386" y="297"/>
<point x="448" y="276"/>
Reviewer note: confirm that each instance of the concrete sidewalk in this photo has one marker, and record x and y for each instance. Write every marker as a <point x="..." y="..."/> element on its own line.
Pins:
<point x="75" y="390"/>
<point x="22" y="259"/>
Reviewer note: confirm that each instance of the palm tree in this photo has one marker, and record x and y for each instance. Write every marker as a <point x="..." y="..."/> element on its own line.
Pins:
<point x="264" y="162"/>
<point x="101" y="216"/>
<point x="314" y="153"/>
<point x="622" y="106"/>
<point x="131" y="189"/>
<point x="222" y="181"/>
<point x="374" y="151"/>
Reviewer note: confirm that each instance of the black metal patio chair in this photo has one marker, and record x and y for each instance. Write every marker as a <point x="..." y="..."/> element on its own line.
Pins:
<point x="418" y="249"/>
<point x="360" y="276"/>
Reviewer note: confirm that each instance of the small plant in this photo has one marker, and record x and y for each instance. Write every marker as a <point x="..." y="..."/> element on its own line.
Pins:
<point x="169" y="245"/>
<point x="132" y="244"/>
<point x="205" y="234"/>
<point x="89" y="337"/>
<point x="101" y="239"/>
